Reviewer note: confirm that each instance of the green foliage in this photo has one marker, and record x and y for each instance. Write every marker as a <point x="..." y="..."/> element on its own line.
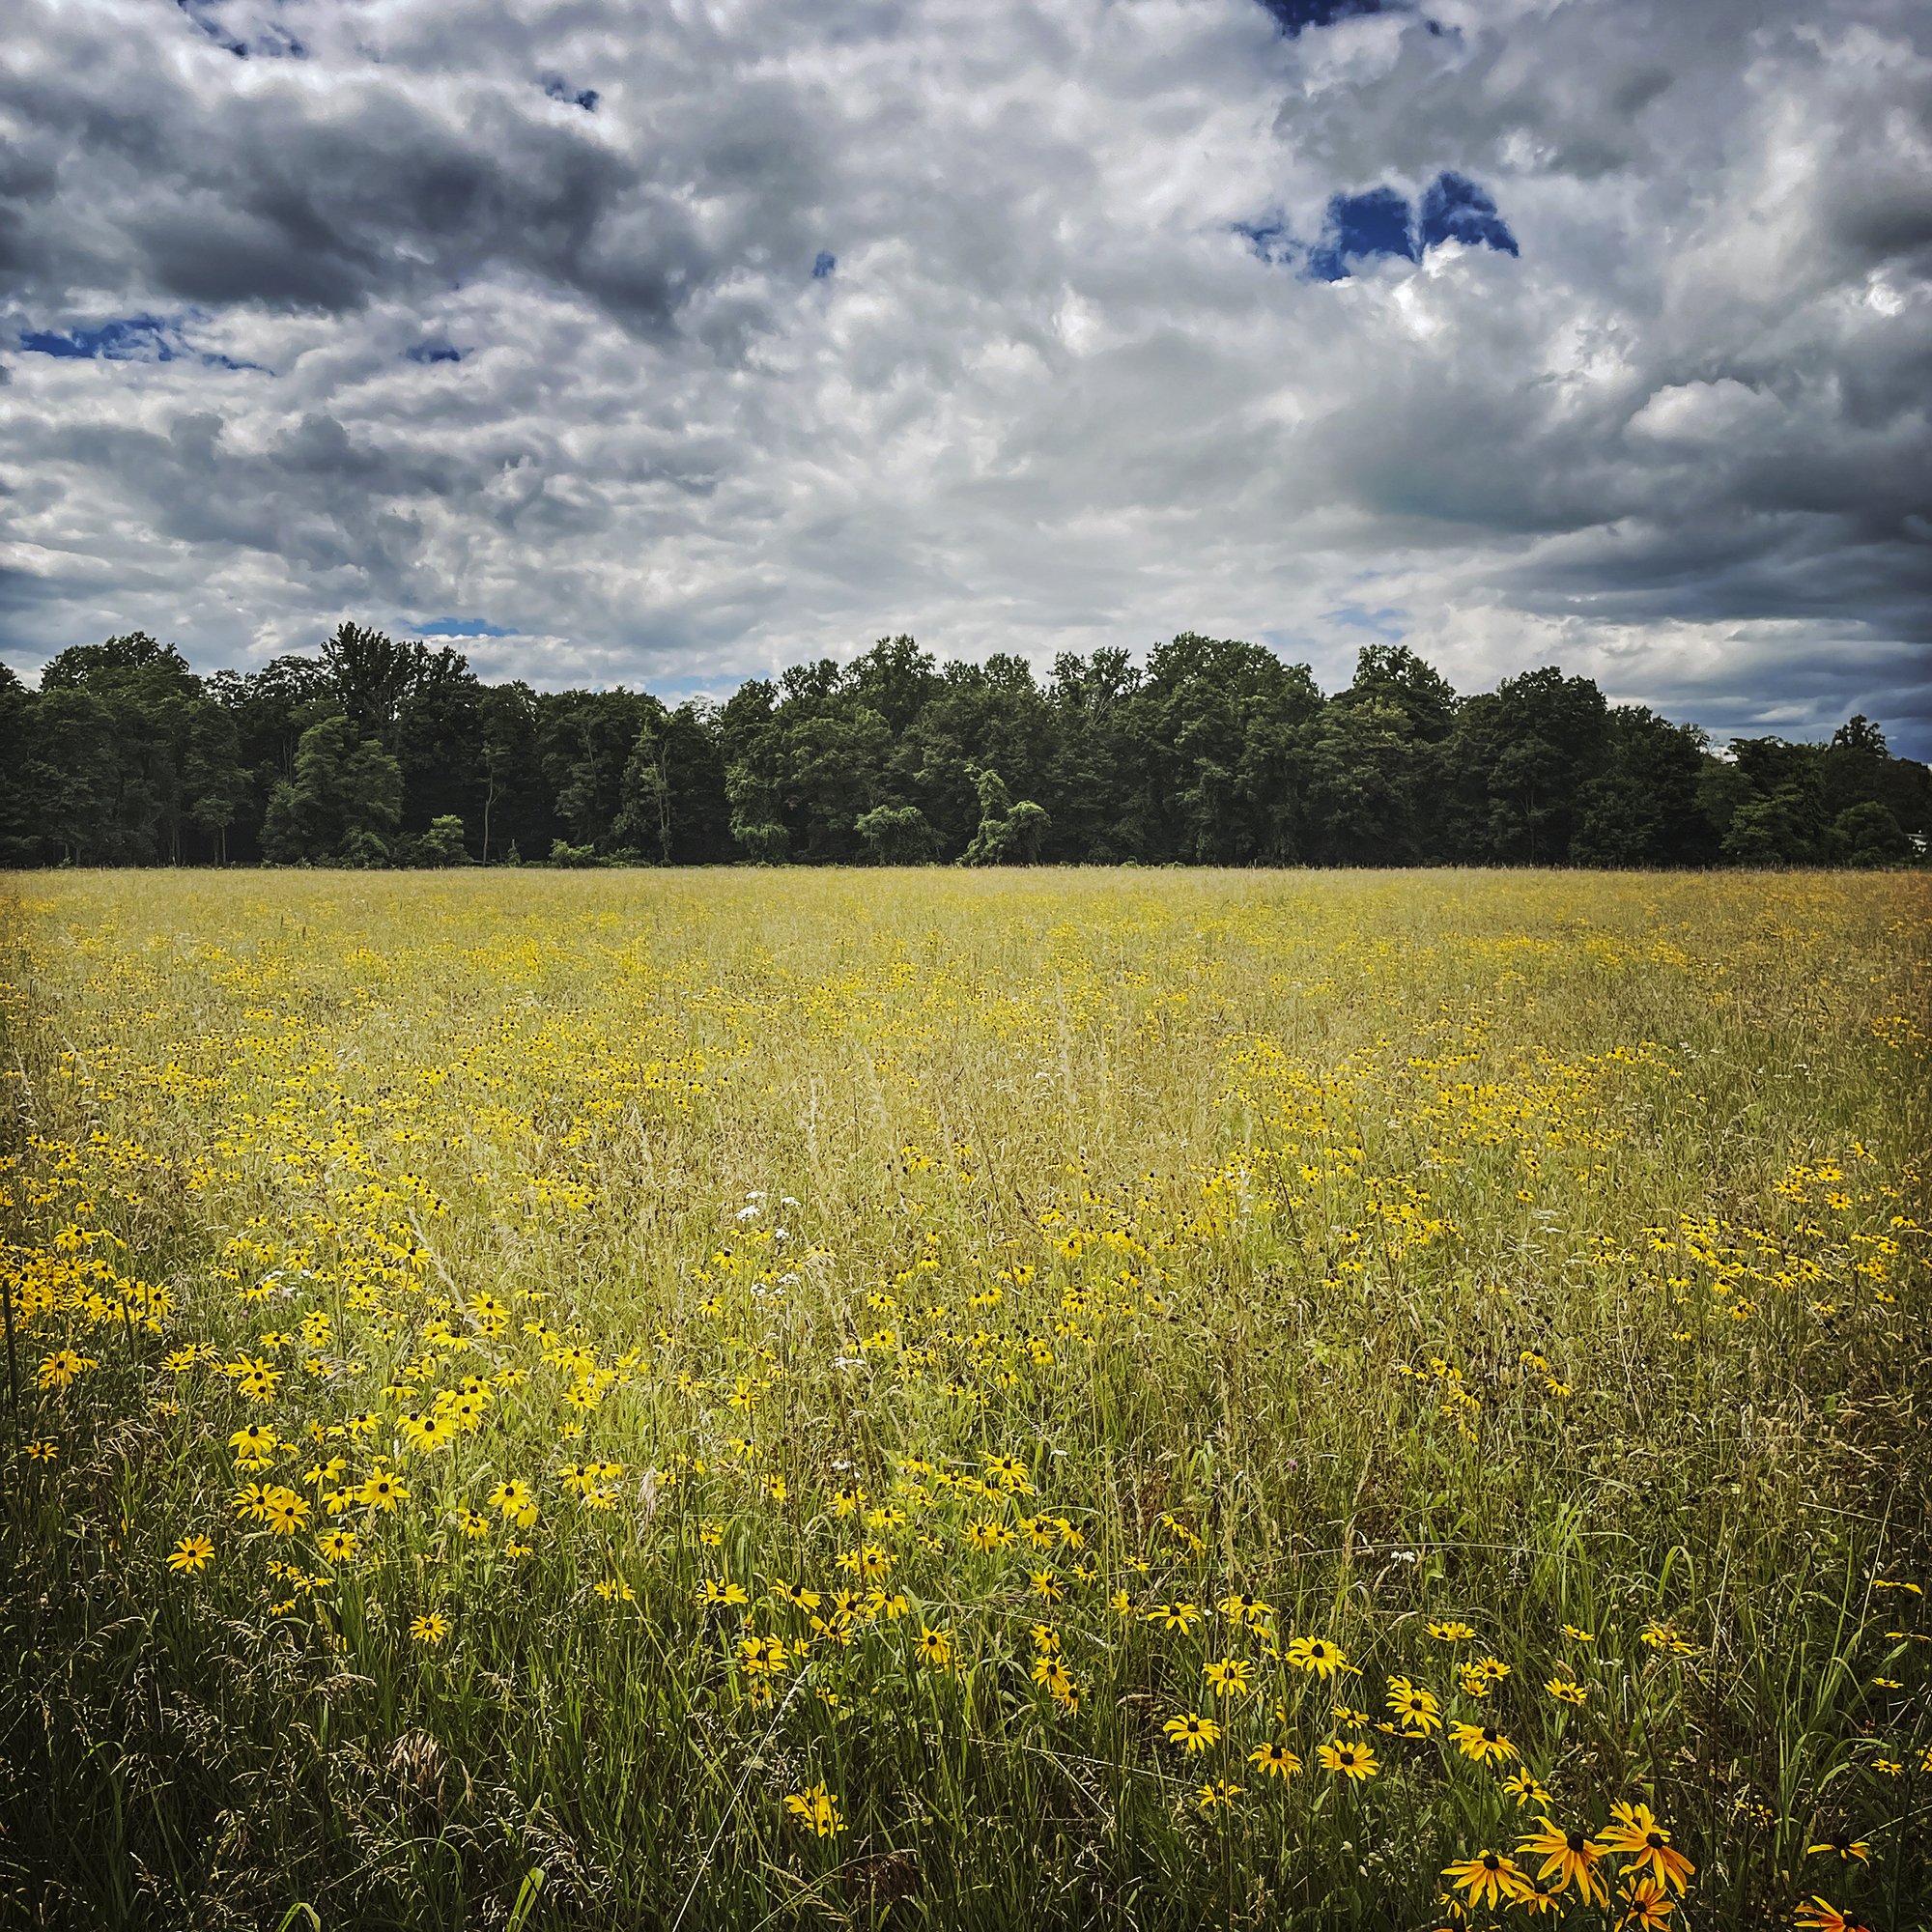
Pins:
<point x="1214" y="751"/>
<point x="344" y="801"/>
<point x="897" y="834"/>
<point x="1868" y="836"/>
<point x="1010" y="833"/>
<point x="442" y="843"/>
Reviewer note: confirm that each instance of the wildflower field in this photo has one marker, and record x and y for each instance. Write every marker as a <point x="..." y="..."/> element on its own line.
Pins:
<point x="772" y="1399"/>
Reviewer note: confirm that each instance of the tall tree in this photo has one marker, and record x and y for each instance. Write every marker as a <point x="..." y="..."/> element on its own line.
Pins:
<point x="343" y="803"/>
<point x="1520" y="756"/>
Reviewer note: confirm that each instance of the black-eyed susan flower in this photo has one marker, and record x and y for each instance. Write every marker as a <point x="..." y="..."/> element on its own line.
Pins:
<point x="1227" y="1676"/>
<point x="1175" y="1616"/>
<point x="934" y="1648"/>
<point x="1479" y="1677"/>
<point x="1451" y="1631"/>
<point x="1569" y="1859"/>
<point x="1274" y="1760"/>
<point x="1414" y="1708"/>
<point x="1192" y="1732"/>
<point x="1842" y="1844"/>
<point x="1634" y="1833"/>
<point x="190" y="1554"/>
<point x="762" y="1656"/>
<point x="1217" y="1793"/>
<point x="1349" y="1758"/>
<point x="430" y="1629"/>
<point x="1317" y="1655"/>
<point x="382" y="1489"/>
<point x="1566" y="1693"/>
<point x="1487" y="1879"/>
<point x="1525" y="1787"/>
<point x="816" y="1810"/>
<point x="1483" y="1742"/>
<point x="283" y="1510"/>
<point x="254" y="1444"/>
<point x="59" y="1369"/>
<point x="1053" y="1676"/>
<point x="1242" y="1606"/>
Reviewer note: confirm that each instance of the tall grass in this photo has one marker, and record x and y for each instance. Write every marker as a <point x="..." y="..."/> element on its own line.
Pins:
<point x="1536" y="1254"/>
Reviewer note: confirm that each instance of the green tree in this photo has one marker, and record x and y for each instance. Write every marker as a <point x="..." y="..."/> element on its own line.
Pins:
<point x="513" y="800"/>
<point x="212" y="779"/>
<point x="1221" y="723"/>
<point x="70" y="772"/>
<point x="749" y="744"/>
<point x="1096" y="759"/>
<point x="19" y="811"/>
<point x="442" y="843"/>
<point x="1520" y="756"/>
<point x="1011" y="833"/>
<point x="897" y="834"/>
<point x="1643" y="807"/>
<point x="1367" y="779"/>
<point x="1774" y="831"/>
<point x="343" y="803"/>
<point x="1869" y="838"/>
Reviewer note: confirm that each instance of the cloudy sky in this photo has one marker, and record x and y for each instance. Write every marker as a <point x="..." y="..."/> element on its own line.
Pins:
<point x="676" y="340"/>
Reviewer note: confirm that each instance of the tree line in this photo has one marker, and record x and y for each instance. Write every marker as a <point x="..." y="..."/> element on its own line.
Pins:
<point x="376" y="751"/>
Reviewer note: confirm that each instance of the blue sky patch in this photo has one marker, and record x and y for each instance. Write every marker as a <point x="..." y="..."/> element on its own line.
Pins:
<point x="131" y="338"/>
<point x="1360" y="227"/>
<point x="1382" y="223"/>
<point x="434" y="351"/>
<point x="1454" y="209"/>
<point x="1383" y="623"/>
<point x="1293" y="17"/>
<point x="823" y="266"/>
<point x="559" y="89"/>
<point x="460" y="627"/>
<point x="126" y="338"/>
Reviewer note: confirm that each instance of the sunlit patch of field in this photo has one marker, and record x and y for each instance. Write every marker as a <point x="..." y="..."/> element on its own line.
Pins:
<point x="1090" y="1399"/>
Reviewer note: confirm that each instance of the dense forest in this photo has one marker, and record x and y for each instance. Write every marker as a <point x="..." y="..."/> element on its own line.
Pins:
<point x="384" y="752"/>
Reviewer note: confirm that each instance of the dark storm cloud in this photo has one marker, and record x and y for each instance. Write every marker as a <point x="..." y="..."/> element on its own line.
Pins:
<point x="677" y="343"/>
<point x="378" y="198"/>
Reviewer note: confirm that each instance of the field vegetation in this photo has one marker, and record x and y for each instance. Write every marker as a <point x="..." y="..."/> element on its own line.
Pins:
<point x="784" y="1398"/>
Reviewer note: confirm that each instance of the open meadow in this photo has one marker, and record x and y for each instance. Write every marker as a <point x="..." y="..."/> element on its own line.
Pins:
<point x="1117" y="1399"/>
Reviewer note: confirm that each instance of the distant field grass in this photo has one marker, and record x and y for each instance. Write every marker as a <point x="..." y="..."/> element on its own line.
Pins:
<point x="1087" y="1399"/>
